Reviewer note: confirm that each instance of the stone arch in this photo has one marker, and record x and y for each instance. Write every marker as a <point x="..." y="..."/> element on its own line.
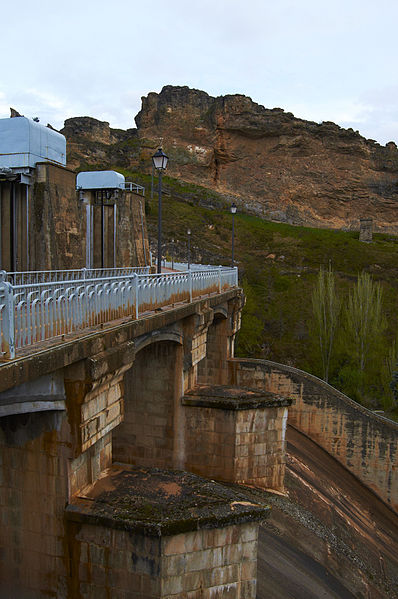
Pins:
<point x="149" y="433"/>
<point x="213" y="368"/>
<point x="156" y="337"/>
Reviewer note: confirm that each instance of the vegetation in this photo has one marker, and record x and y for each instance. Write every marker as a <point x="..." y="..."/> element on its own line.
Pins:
<point x="326" y="307"/>
<point x="279" y="269"/>
<point x="364" y="319"/>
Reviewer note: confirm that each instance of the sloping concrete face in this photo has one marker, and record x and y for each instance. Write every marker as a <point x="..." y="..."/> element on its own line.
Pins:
<point x="365" y="443"/>
<point x="338" y="537"/>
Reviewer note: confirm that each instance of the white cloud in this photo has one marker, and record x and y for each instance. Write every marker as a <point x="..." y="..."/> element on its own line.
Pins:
<point x="317" y="60"/>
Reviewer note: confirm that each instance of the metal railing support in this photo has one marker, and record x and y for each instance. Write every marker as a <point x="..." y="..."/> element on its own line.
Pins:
<point x="136" y="296"/>
<point x="190" y="284"/>
<point x="70" y="301"/>
<point x="7" y="321"/>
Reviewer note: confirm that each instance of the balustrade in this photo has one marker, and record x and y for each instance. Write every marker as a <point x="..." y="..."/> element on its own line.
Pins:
<point x="44" y="305"/>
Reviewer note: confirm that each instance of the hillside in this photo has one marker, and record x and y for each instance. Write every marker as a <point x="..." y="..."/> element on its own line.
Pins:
<point x="273" y="164"/>
<point x="278" y="265"/>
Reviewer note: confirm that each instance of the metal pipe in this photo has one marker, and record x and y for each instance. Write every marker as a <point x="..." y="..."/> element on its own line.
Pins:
<point x="143" y="233"/>
<point x="88" y="236"/>
<point x="92" y="220"/>
<point x="27" y="227"/>
<point x="13" y="229"/>
<point x="102" y="230"/>
<point x="159" y="266"/>
<point x="233" y="240"/>
<point x="114" y="235"/>
<point x="1" y="232"/>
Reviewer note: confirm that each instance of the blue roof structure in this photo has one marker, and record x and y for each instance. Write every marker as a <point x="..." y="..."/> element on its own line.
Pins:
<point x="100" y="180"/>
<point x="24" y="142"/>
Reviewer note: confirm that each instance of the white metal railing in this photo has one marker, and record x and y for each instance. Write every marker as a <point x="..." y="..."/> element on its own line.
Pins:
<point x="129" y="186"/>
<point x="34" y="312"/>
<point x="184" y="266"/>
<point x="32" y="277"/>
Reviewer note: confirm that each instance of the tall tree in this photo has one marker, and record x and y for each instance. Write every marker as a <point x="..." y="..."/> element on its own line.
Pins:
<point x="364" y="318"/>
<point x="326" y="307"/>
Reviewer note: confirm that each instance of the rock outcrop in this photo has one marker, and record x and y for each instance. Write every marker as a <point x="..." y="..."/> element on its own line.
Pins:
<point x="270" y="162"/>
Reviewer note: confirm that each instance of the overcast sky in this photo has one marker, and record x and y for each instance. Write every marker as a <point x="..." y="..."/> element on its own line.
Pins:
<point x="323" y="61"/>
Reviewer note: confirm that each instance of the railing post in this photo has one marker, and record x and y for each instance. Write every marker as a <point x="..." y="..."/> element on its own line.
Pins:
<point x="190" y="284"/>
<point x="7" y="321"/>
<point x="136" y="279"/>
<point x="219" y="279"/>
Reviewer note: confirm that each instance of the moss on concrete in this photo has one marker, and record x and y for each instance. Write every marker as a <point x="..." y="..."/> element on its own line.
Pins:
<point x="229" y="397"/>
<point x="162" y="502"/>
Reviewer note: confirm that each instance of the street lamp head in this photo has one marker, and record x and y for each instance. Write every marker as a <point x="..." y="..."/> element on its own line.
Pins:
<point x="233" y="208"/>
<point x="160" y="160"/>
<point x="189" y="231"/>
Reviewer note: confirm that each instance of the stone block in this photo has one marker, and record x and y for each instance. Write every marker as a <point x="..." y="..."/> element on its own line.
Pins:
<point x="194" y="541"/>
<point x="174" y="545"/>
<point x="249" y="569"/>
<point x="172" y="585"/>
<point x="248" y="589"/>
<point x="227" y="591"/>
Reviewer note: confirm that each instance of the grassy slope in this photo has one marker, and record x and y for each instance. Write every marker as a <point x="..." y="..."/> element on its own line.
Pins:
<point x="278" y="264"/>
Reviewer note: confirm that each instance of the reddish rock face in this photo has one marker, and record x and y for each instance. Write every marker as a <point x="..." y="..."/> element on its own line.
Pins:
<point x="273" y="164"/>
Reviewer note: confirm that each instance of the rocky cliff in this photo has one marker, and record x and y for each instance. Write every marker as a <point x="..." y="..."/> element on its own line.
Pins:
<point x="270" y="162"/>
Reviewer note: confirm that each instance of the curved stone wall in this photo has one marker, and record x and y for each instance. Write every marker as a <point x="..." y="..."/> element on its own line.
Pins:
<point x="364" y="442"/>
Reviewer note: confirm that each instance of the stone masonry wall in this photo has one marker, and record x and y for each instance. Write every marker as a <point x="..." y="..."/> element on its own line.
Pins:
<point x="245" y="446"/>
<point x="33" y="494"/>
<point x="87" y="467"/>
<point x="58" y="221"/>
<point x="57" y="225"/>
<point x="113" y="563"/>
<point x="210" y="442"/>
<point x="213" y="368"/>
<point x="211" y="564"/>
<point x="260" y="447"/>
<point x="132" y="236"/>
<point x="365" y="443"/>
<point x="102" y="410"/>
<point x="205" y="564"/>
<point x="152" y="389"/>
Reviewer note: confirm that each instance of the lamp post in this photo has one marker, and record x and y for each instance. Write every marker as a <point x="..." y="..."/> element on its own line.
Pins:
<point x="233" y="212"/>
<point x="159" y="161"/>
<point x="189" y="248"/>
<point x="172" y="254"/>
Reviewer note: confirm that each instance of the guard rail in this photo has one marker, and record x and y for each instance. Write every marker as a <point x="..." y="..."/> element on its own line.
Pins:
<point x="35" y="312"/>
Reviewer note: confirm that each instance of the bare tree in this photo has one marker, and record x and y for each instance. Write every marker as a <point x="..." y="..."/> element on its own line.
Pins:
<point x="326" y="307"/>
<point x="364" y="318"/>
